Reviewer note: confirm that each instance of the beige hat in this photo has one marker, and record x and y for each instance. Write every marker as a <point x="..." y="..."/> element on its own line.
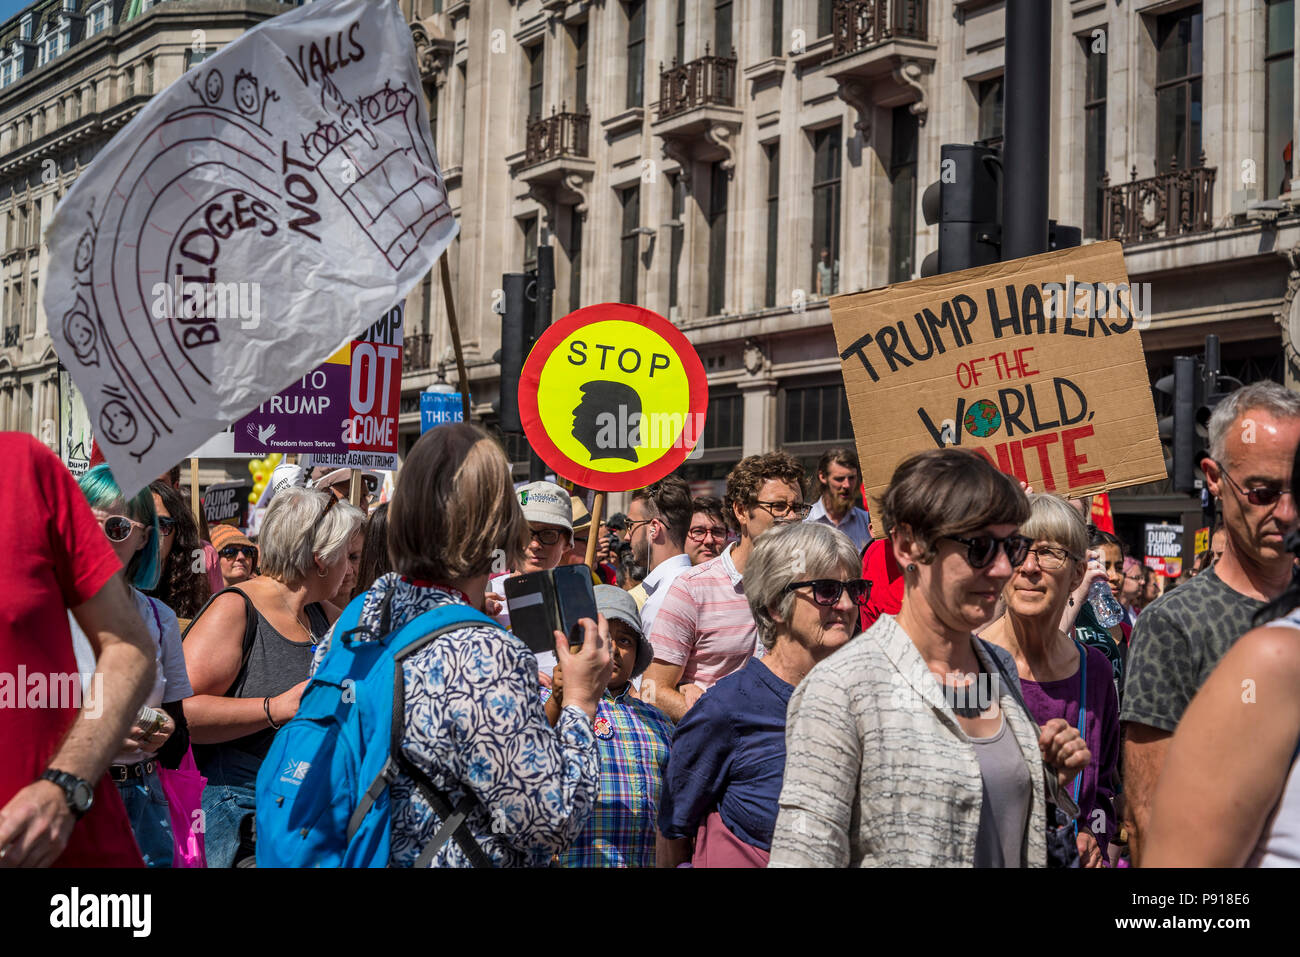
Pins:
<point x="547" y="504"/>
<point x="581" y="517"/>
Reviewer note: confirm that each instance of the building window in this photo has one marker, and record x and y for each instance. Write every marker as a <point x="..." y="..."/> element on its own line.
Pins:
<point x="91" y="108"/>
<point x="717" y="238"/>
<point x="826" y="211"/>
<point x="630" y="200"/>
<point x="536" y="66"/>
<point x="722" y="28"/>
<point x="679" y="52"/>
<point x="22" y="226"/>
<point x="989" y="94"/>
<point x="6" y="72"/>
<point x="818" y="413"/>
<point x="59" y="114"/>
<point x="778" y="27"/>
<point x="98" y="18"/>
<point x="1094" y="135"/>
<point x="773" y="153"/>
<point x="724" y="423"/>
<point x="902" y="203"/>
<point x="575" y="260"/>
<point x="36" y="225"/>
<point x="129" y="83"/>
<point x="678" y="207"/>
<point x="148" y="75"/>
<point x="636" y="53"/>
<point x="30" y="328"/>
<point x="1279" y="97"/>
<point x="580" y="68"/>
<point x="1178" y="89"/>
<point x="193" y="56"/>
<point x="529" y="228"/>
<point x="825" y="17"/>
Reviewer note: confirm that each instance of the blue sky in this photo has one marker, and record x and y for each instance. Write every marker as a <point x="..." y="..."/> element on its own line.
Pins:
<point x="10" y="7"/>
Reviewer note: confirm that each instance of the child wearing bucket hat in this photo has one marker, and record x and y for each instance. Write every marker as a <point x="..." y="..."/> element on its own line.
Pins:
<point x="633" y="738"/>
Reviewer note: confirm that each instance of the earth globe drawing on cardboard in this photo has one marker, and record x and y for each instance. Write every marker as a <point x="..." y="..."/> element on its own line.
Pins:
<point x="982" y="419"/>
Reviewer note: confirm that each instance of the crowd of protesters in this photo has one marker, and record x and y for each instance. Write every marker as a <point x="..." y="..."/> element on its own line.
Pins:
<point x="763" y="684"/>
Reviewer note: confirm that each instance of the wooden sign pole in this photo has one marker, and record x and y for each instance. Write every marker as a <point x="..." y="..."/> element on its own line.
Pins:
<point x="593" y="530"/>
<point x="455" y="335"/>
<point x="194" y="491"/>
<point x="354" y="488"/>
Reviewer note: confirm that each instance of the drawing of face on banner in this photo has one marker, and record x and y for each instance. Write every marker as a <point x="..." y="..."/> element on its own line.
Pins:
<point x="613" y="397"/>
<point x="252" y="218"/>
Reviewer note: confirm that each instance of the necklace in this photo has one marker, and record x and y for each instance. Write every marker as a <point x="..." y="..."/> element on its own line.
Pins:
<point x="298" y="619"/>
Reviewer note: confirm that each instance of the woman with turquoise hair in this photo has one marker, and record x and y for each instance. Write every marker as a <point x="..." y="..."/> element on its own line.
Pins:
<point x="159" y="735"/>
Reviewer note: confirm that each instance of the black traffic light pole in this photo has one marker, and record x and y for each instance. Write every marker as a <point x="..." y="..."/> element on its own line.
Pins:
<point x="541" y="320"/>
<point x="1025" y="156"/>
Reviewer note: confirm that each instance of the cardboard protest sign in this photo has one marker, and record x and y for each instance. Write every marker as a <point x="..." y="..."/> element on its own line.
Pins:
<point x="226" y="501"/>
<point x="613" y="397"/>
<point x="74" y="426"/>
<point x="1036" y="364"/>
<point x="1164" y="551"/>
<point x="1202" y="541"/>
<point x="348" y="405"/>
<point x="251" y="219"/>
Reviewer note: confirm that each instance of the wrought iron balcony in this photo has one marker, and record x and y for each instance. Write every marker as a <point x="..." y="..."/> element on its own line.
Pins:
<point x="1167" y="204"/>
<point x="862" y="24"/>
<point x="13" y="336"/>
<point x="417" y="352"/>
<point x="705" y="81"/>
<point x="560" y="134"/>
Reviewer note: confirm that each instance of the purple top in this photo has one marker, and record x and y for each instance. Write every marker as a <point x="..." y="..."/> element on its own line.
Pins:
<point x="1100" y="779"/>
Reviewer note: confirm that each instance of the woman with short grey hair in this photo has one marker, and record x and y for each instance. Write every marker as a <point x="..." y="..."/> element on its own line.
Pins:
<point x="249" y="650"/>
<point x="728" y="756"/>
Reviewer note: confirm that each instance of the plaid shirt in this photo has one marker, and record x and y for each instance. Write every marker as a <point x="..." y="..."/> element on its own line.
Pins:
<point x="633" y="739"/>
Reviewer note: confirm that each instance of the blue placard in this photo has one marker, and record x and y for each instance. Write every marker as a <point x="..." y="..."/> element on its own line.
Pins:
<point x="439" y="408"/>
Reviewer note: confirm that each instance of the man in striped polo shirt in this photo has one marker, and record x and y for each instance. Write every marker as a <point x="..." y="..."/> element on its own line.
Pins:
<point x="704" y="629"/>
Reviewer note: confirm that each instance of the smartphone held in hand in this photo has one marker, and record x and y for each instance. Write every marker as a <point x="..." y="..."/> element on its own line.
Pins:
<point x="542" y="603"/>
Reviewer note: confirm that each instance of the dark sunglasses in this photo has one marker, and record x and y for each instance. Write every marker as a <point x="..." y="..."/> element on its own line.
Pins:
<point x="545" y="536"/>
<point x="231" y="552"/>
<point x="118" y="527"/>
<point x="982" y="549"/>
<point x="1260" y="495"/>
<point x="826" y="591"/>
<point x="166" y="525"/>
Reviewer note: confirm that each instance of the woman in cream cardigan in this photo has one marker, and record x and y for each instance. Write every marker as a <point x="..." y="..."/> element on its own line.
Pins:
<point x="906" y="748"/>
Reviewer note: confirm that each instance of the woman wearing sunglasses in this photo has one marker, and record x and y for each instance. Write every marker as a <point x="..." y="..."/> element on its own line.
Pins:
<point x="250" y="649"/>
<point x="1061" y="677"/>
<point x="179" y="588"/>
<point x="159" y="734"/>
<point x="728" y="752"/>
<point x="911" y="746"/>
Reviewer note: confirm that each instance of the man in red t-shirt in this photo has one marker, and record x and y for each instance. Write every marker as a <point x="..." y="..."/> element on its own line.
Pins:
<point x="57" y="805"/>
<point x="880" y="568"/>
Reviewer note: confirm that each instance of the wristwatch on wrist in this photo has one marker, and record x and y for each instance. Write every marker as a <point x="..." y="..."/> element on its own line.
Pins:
<point x="80" y="795"/>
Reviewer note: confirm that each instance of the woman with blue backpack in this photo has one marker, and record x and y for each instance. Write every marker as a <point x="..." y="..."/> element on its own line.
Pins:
<point x="474" y="775"/>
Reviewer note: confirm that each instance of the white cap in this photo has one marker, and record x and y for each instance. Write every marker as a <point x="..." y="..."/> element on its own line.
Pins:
<point x="288" y="476"/>
<point x="546" y="503"/>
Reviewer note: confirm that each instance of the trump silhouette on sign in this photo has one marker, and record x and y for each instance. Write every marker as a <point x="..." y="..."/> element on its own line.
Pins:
<point x="607" y="420"/>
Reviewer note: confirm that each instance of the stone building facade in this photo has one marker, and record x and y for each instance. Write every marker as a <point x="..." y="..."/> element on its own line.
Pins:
<point x="731" y="163"/>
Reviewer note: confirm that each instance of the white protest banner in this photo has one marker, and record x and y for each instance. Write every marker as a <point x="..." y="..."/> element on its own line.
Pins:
<point x="251" y="219"/>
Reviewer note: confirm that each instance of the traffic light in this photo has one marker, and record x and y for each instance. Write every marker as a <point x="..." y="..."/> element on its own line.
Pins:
<point x="516" y="337"/>
<point x="966" y="203"/>
<point x="1178" y="431"/>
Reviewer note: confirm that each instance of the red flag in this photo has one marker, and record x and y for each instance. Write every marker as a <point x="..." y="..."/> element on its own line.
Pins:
<point x="96" y="456"/>
<point x="1101" y="516"/>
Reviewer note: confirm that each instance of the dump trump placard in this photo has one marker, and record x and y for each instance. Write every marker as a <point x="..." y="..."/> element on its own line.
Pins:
<point x="1036" y="364"/>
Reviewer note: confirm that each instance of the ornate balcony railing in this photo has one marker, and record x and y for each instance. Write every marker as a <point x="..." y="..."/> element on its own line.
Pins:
<point x="13" y="335"/>
<point x="861" y="24"/>
<point x="560" y="134"/>
<point x="417" y="351"/>
<point x="1167" y="204"/>
<point x="705" y="81"/>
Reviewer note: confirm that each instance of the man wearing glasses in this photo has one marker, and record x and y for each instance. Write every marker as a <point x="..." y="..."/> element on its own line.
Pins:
<point x="1180" y="637"/>
<point x="704" y="629"/>
<point x="707" y="534"/>
<point x="656" y="529"/>
<point x="839" y="480"/>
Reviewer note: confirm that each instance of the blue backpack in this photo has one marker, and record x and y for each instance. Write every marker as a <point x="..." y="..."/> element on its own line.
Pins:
<point x="323" y="789"/>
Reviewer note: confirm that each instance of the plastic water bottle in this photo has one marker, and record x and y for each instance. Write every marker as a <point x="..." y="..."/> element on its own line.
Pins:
<point x="1109" y="612"/>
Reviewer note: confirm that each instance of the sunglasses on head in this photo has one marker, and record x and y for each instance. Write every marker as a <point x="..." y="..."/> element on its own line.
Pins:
<point x="231" y="552"/>
<point x="983" y="549"/>
<point x="827" y="591"/>
<point x="118" y="527"/>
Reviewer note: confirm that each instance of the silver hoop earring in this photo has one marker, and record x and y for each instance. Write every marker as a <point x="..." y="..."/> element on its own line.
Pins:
<point x="911" y="567"/>
<point x="323" y="572"/>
